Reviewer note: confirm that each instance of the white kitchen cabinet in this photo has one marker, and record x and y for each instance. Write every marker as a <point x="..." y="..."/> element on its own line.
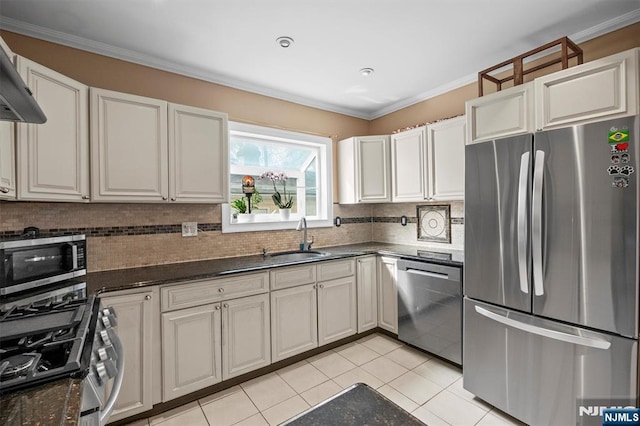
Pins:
<point x="337" y="310"/>
<point x="213" y="330"/>
<point x="600" y="89"/>
<point x="148" y="150"/>
<point x="53" y="158"/>
<point x="246" y="335"/>
<point x="135" y="313"/>
<point x="129" y="150"/>
<point x="367" y="293"/>
<point x="294" y="321"/>
<point x="387" y="294"/>
<point x="508" y="112"/>
<point x="191" y="350"/>
<point x="408" y="162"/>
<point x="364" y="170"/>
<point x="7" y="161"/>
<point x="445" y="159"/>
<point x="198" y="155"/>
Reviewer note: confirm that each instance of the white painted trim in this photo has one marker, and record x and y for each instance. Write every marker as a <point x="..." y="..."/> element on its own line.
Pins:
<point x="154" y="62"/>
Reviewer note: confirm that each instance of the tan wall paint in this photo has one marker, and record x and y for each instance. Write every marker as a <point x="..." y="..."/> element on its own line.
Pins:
<point x="109" y="73"/>
<point x="452" y="103"/>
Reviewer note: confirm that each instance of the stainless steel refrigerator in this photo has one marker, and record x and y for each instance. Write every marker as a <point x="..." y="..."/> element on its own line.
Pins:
<point x="551" y="272"/>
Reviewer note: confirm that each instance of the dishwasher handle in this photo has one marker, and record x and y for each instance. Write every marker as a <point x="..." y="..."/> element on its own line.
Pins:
<point x="428" y="274"/>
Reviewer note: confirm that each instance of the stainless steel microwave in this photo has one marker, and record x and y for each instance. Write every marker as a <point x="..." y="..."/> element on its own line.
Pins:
<point x="30" y="263"/>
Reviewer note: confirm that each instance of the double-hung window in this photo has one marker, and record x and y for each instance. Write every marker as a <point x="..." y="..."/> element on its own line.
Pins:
<point x="306" y="162"/>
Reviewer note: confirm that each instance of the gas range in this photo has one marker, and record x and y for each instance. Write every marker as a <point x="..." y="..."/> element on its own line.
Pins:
<point x="46" y="335"/>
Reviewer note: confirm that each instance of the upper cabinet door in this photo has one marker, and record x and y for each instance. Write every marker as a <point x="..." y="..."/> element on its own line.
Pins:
<point x="407" y="165"/>
<point x="506" y="113"/>
<point x="373" y="165"/>
<point x="445" y="159"/>
<point x="128" y="147"/>
<point x="605" y="88"/>
<point x="198" y="153"/>
<point x="53" y="158"/>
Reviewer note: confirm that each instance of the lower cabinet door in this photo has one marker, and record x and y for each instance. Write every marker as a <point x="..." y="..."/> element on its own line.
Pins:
<point x="367" y="280"/>
<point x="246" y="335"/>
<point x="134" y="316"/>
<point x="294" y="321"/>
<point x="337" y="307"/>
<point x="191" y="350"/>
<point x="387" y="294"/>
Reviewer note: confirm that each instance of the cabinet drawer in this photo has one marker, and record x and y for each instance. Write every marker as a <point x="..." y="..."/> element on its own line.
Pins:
<point x="336" y="269"/>
<point x="207" y="291"/>
<point x="294" y="276"/>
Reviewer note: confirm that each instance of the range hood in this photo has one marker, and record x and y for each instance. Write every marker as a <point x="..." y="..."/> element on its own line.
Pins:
<point x="16" y="100"/>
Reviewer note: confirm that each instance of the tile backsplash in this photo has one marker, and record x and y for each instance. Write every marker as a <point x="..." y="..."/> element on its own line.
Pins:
<point x="132" y="235"/>
<point x="387" y="226"/>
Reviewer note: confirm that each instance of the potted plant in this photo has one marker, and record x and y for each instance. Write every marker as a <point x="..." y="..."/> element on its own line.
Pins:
<point x="240" y="206"/>
<point x="283" y="201"/>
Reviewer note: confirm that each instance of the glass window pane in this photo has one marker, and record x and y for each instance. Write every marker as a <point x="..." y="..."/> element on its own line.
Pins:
<point x="244" y="151"/>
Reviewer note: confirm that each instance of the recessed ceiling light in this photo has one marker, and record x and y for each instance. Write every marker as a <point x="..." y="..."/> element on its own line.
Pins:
<point x="366" y="71"/>
<point x="284" y="41"/>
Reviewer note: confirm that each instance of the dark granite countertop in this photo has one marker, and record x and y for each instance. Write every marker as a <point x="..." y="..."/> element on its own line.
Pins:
<point x="356" y="405"/>
<point x="55" y="403"/>
<point x="123" y="279"/>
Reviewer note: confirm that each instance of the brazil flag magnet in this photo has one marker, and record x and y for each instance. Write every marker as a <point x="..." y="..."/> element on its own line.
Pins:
<point x="618" y="136"/>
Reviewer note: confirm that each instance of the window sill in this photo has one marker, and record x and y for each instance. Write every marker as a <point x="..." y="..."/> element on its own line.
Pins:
<point x="269" y="222"/>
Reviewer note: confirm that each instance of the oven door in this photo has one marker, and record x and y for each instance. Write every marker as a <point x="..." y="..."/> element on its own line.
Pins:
<point x="31" y="266"/>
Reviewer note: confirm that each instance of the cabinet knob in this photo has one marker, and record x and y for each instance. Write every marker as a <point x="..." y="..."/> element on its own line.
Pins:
<point x="164" y="198"/>
<point x="226" y="305"/>
<point x="221" y="290"/>
<point x="85" y="197"/>
<point x="321" y="286"/>
<point x="217" y="308"/>
<point x="4" y="190"/>
<point x="173" y="198"/>
<point x="147" y="297"/>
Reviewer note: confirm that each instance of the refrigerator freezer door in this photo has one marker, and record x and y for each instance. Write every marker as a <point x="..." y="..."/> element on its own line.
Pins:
<point x="539" y="371"/>
<point x="588" y="238"/>
<point x="497" y="266"/>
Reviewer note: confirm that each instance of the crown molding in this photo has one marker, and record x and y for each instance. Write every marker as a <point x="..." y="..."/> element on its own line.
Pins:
<point x="104" y="49"/>
<point x="154" y="62"/>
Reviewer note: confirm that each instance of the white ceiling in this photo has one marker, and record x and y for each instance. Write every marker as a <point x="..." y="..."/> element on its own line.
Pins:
<point x="418" y="48"/>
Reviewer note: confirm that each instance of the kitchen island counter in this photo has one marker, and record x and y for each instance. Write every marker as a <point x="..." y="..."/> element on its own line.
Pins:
<point x="123" y="279"/>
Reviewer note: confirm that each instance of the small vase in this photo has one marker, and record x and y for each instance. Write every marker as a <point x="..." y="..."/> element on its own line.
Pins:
<point x="285" y="213"/>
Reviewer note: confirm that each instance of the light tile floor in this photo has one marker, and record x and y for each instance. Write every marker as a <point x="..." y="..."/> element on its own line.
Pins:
<point x="428" y="388"/>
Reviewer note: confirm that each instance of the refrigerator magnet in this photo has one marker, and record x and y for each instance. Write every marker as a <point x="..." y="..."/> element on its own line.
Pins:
<point x="620" y="182"/>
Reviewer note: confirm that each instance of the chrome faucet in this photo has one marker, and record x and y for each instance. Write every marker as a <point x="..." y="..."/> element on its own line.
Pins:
<point x="302" y="226"/>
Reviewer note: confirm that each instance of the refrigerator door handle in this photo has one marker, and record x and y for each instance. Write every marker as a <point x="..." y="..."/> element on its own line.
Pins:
<point x="536" y="225"/>
<point x="522" y="222"/>
<point x="544" y="332"/>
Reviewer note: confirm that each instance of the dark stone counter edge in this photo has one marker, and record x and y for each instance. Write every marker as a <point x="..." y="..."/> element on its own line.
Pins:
<point x="126" y="279"/>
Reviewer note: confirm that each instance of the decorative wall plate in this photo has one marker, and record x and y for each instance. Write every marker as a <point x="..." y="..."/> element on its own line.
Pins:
<point x="434" y="223"/>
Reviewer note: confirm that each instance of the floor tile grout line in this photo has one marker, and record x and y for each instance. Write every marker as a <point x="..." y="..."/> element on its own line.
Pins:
<point x="206" y="419"/>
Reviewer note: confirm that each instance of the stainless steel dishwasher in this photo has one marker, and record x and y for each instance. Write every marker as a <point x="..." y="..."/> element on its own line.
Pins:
<point x="430" y="308"/>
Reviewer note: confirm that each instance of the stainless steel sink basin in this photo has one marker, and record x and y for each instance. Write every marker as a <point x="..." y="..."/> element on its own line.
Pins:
<point x="298" y="255"/>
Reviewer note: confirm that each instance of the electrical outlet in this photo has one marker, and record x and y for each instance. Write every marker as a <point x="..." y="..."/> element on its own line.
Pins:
<point x="189" y="229"/>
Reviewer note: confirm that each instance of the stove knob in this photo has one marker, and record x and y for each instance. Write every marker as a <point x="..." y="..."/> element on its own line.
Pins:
<point x="109" y="321"/>
<point x="106" y="352"/>
<point x="109" y="311"/>
<point x="101" y="371"/>
<point x="106" y="337"/>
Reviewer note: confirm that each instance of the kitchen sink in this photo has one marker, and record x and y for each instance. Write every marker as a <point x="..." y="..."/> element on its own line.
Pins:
<point x="298" y="255"/>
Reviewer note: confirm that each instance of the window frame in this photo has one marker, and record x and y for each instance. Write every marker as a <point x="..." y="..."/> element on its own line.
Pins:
<point x="272" y="222"/>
